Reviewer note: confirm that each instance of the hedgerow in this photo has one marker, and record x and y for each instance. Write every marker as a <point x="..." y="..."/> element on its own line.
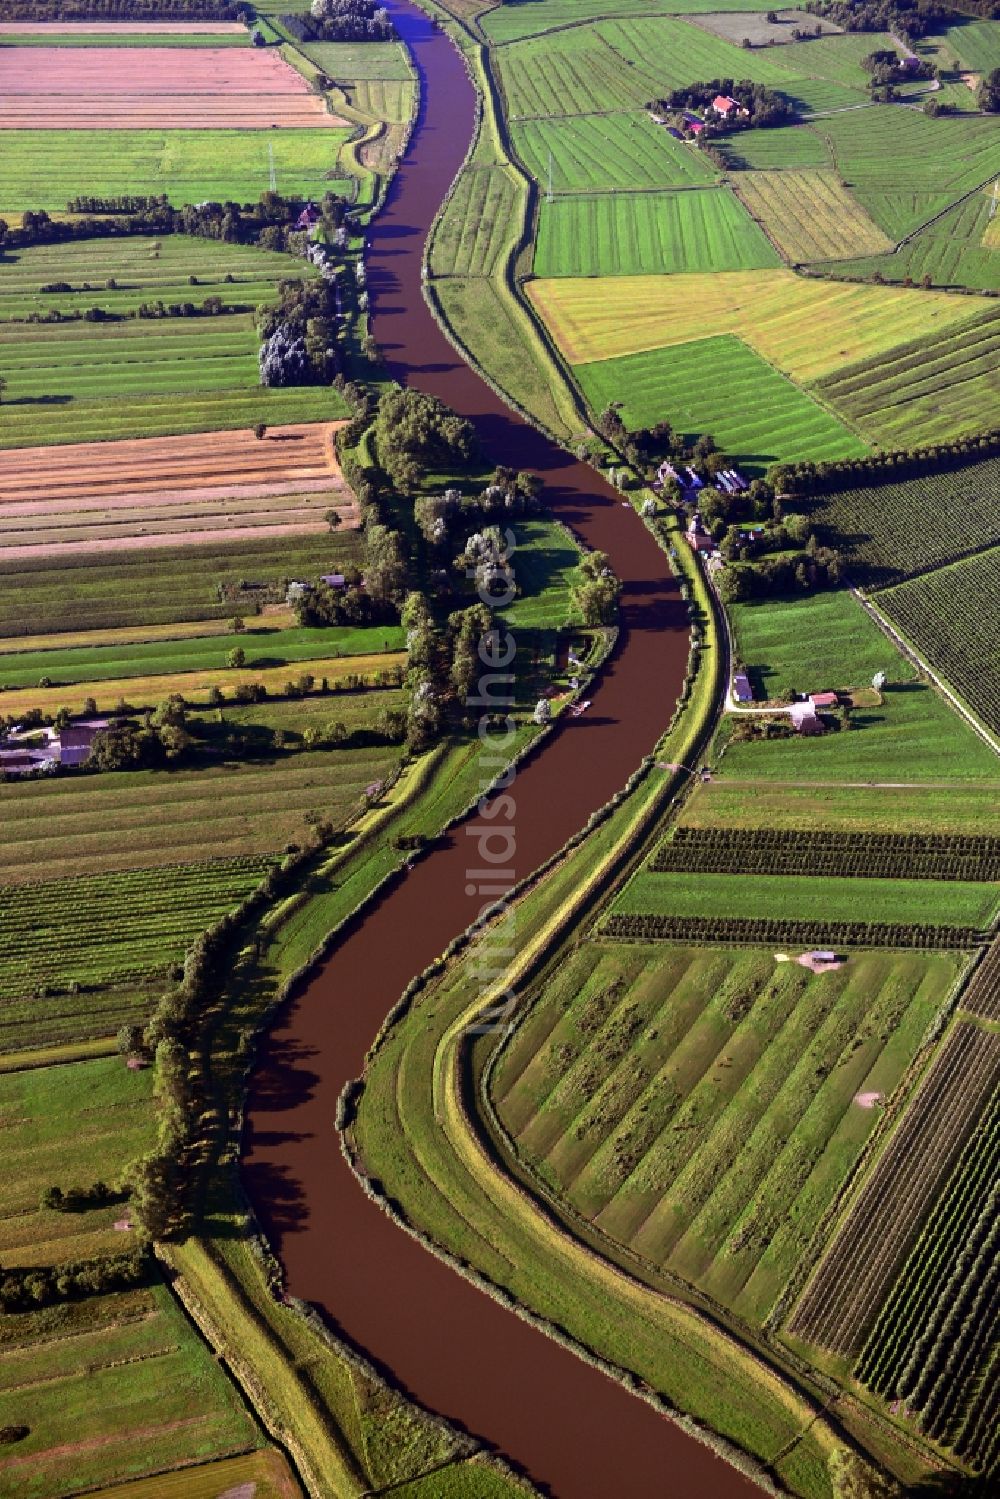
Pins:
<point x="913" y="856"/>
<point x="730" y="930"/>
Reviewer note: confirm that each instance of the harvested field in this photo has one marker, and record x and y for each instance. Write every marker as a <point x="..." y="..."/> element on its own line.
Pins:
<point x="858" y="1270"/>
<point x="733" y="26"/>
<point x="170" y="491"/>
<point x="136" y="88"/>
<point x="810" y="215"/>
<point x="807" y="328"/>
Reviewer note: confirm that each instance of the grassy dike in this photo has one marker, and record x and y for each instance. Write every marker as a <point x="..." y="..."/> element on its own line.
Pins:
<point x="346" y="1431"/>
<point x="416" y="1130"/>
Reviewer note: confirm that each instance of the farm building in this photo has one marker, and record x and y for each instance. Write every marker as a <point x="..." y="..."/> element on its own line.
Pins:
<point x="805" y="719"/>
<point x="742" y="691"/>
<point x="333" y="580"/>
<point x="824" y="699"/>
<point x="698" y="536"/>
<point x="308" y="218"/>
<point x="75" y="740"/>
<point x="725" y="106"/>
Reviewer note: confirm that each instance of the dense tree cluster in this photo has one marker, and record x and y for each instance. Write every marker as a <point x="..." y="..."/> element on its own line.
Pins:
<point x="909" y="19"/>
<point x="764" y="106"/>
<point x="988" y="93"/>
<point x="886" y="68"/>
<point x="507" y="495"/>
<point x="298" y="334"/>
<point x="416" y="435"/>
<point x="597" y="590"/>
<point x="342" y="21"/>
<point x="848" y="473"/>
<point x="21" y="1290"/>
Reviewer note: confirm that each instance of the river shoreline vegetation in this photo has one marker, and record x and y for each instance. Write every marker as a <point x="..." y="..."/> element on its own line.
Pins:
<point x="241" y="623"/>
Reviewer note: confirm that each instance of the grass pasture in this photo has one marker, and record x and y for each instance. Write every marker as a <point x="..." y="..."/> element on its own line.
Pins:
<point x="827" y="642"/>
<point x="885" y="525"/>
<point x="950" y="616"/>
<point x="808" y="328"/>
<point x="673" y="52"/>
<point x="720" y="386"/>
<point x="809" y="215"/>
<point x="976" y="44"/>
<point x="697" y="1105"/>
<point x="643" y="233"/>
<point x="131" y="1372"/>
<point x="959" y="249"/>
<point x="473" y="235"/>
<point x="43" y="34"/>
<point x="349" y="62"/>
<point x="944" y="807"/>
<point x="46" y="168"/>
<point x="68" y="1127"/>
<point x="733" y="26"/>
<point x="783" y="146"/>
<point x="575" y="73"/>
<point x="80" y="382"/>
<point x="595" y="153"/>
<point x="267" y="1470"/>
<point x="928" y="390"/>
<point x="130" y="589"/>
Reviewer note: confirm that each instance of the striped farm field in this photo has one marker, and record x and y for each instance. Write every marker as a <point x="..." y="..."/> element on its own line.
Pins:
<point x="575" y="73"/>
<point x="643" y="233"/>
<point x="836" y="58"/>
<point x="697" y="1105"/>
<point x="103" y="929"/>
<point x="885" y="1216"/>
<point x="977" y="44"/>
<point x="347" y="62"/>
<point x="277" y="617"/>
<point x="904" y="167"/>
<point x="474" y="232"/>
<point x="810" y="215"/>
<point x="136" y="88"/>
<point x="135" y="588"/>
<point x="958" y="249"/>
<point x="143" y="819"/>
<point x="80" y="382"/>
<point x="594" y="153"/>
<point x="950" y="615"/>
<point x="950" y="806"/>
<point x="806" y="328"/>
<point x="71" y="29"/>
<point x="929" y="390"/>
<point x="784" y="146"/>
<point x="140" y="268"/>
<point x="169" y="492"/>
<point x="266" y="1473"/>
<point x="673" y="52"/>
<point x="46" y="168"/>
<point x="194" y="686"/>
<point x="49" y="34"/>
<point x="389" y="99"/>
<point x="720" y="386"/>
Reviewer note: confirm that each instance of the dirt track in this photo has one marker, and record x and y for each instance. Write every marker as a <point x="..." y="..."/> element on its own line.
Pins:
<point x="170" y="491"/>
<point x="134" y="88"/>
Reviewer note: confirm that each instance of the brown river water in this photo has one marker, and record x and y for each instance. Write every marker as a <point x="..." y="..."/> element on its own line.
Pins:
<point x="576" y="1432"/>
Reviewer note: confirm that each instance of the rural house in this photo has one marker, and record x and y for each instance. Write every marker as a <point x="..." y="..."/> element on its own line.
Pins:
<point x="742" y="691"/>
<point x="824" y="700"/>
<point x="725" y="106"/>
<point x="805" y="719"/>
<point x="698" y="536"/>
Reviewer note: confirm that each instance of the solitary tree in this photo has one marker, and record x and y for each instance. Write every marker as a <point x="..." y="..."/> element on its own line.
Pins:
<point x="3" y="386"/>
<point x="237" y="657"/>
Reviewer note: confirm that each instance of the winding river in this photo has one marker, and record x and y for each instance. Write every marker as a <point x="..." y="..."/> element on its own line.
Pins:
<point x="576" y="1432"/>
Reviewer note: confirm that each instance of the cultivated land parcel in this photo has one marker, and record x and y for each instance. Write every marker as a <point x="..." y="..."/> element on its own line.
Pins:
<point x="767" y="1185"/>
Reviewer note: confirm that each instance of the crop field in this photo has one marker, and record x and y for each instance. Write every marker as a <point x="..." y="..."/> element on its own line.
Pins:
<point x="950" y="616"/>
<point x="643" y="233"/>
<point x="698" y="1105"/>
<point x="960" y="807"/>
<point x="348" y="62"/>
<point x="114" y="928"/>
<point x="141" y="819"/>
<point x="141" y="269"/>
<point x="836" y="58"/>
<point x="389" y="99"/>
<point x="823" y="897"/>
<point x="508" y="23"/>
<point x="193" y="686"/>
<point x="675" y="52"/>
<point x="720" y="386"/>
<point x="575" y="73"/>
<point x="809" y="215"/>
<point x="856" y="1274"/>
<point x="904" y="167"/>
<point x="170" y="492"/>
<point x="780" y="147"/>
<point x="806" y="328"/>
<point x="886" y="524"/>
<point x="54" y="34"/>
<point x="68" y="1127"/>
<point x="824" y="642"/>
<point x="593" y="153"/>
<point x="130" y="1371"/>
<point x="981" y="995"/>
<point x="80" y="382"/>
<point x="900" y="856"/>
<point x="45" y="168"/>
<point x="932" y="1344"/>
<point x="929" y="390"/>
<point x="132" y="589"/>
<point x="269" y="648"/>
<point x="138" y="88"/>
<point x="67" y="31"/>
<point x="474" y="233"/>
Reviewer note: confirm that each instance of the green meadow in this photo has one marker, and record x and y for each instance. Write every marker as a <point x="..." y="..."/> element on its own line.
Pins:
<point x="591" y="153"/>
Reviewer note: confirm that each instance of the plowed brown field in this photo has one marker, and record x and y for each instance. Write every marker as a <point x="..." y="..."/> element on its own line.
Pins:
<point x="158" y="88"/>
<point x="170" y="491"/>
